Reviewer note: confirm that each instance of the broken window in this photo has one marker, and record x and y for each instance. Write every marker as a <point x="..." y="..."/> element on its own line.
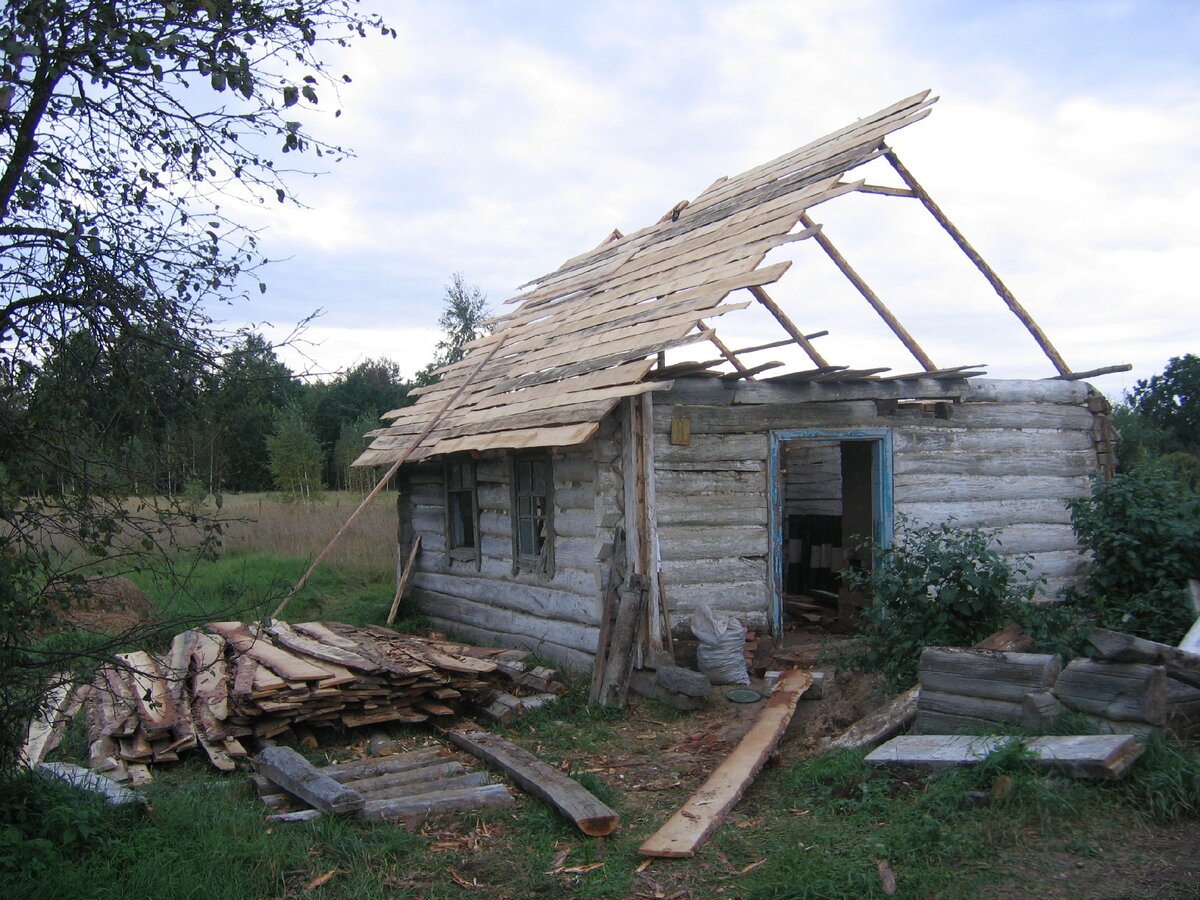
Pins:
<point x="462" y="510"/>
<point x="533" y="536"/>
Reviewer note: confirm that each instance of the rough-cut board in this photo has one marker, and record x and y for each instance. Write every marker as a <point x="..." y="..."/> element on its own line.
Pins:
<point x="1104" y="756"/>
<point x="569" y="797"/>
<point x="292" y="772"/>
<point x="685" y="831"/>
<point x="85" y="780"/>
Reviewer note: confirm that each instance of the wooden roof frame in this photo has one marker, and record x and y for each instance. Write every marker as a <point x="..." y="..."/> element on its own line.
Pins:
<point x="588" y="334"/>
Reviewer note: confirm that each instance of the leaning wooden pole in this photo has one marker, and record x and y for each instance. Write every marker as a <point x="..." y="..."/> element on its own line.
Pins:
<point x="395" y="467"/>
<point x="980" y="263"/>
<point x="871" y="297"/>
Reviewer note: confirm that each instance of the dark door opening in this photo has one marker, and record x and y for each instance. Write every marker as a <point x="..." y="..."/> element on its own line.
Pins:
<point x="833" y="504"/>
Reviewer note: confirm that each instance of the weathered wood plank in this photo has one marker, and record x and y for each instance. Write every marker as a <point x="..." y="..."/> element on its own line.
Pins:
<point x="422" y="806"/>
<point x="296" y="775"/>
<point x="692" y="824"/>
<point x="1106" y="757"/>
<point x="987" y="674"/>
<point x="540" y="779"/>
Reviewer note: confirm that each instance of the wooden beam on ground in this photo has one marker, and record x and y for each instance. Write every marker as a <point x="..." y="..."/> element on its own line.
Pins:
<point x="1103" y="756"/>
<point x="296" y="775"/>
<point x="980" y="263"/>
<point x="567" y="796"/>
<point x="789" y="326"/>
<point x="871" y="297"/>
<point x="692" y="824"/>
<point x="405" y="578"/>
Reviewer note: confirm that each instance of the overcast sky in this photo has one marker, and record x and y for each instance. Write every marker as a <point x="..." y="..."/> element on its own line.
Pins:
<point x="500" y="138"/>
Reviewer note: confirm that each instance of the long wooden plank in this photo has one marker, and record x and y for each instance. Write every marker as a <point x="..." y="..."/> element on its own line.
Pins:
<point x="260" y="649"/>
<point x="310" y="646"/>
<point x="296" y="775"/>
<point x="1104" y="756"/>
<point x="692" y="824"/>
<point x="567" y="796"/>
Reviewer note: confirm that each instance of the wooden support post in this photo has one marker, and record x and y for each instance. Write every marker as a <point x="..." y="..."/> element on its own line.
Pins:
<point x="789" y="326"/>
<point x="871" y="297"/>
<point x="405" y="578"/>
<point x="655" y="612"/>
<point x="724" y="350"/>
<point x="980" y="263"/>
<point x="395" y="467"/>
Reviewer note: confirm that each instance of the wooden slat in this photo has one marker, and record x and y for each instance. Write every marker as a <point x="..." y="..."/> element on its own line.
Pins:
<point x="566" y="795"/>
<point x="685" y="831"/>
<point x="1103" y="756"/>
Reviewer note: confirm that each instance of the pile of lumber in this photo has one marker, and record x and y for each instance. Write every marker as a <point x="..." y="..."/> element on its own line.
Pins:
<point x="1131" y="686"/>
<point x="406" y="787"/>
<point x="231" y="681"/>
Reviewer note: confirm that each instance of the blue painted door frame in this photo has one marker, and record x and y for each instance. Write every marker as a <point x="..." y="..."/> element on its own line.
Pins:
<point x="881" y="498"/>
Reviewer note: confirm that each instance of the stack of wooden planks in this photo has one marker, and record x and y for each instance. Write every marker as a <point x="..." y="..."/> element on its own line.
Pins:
<point x="233" y="681"/>
<point x="406" y="787"/>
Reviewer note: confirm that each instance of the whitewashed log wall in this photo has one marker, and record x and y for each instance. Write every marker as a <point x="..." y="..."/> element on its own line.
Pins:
<point x="1008" y="456"/>
<point x="556" y="617"/>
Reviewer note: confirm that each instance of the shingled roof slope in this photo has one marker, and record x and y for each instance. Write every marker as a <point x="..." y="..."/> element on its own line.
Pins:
<point x="585" y="336"/>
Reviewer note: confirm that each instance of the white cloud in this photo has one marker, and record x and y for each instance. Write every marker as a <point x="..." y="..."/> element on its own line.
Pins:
<point x="500" y="139"/>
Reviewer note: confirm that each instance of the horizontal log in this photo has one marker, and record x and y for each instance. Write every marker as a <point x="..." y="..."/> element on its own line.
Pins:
<point x="543" y="602"/>
<point x="781" y="392"/>
<point x="710" y="511"/>
<point x="435" y="770"/>
<point x="1020" y="415"/>
<point x="566" y="795"/>
<point x="296" y="775"/>
<point x="727" y="420"/>
<point x="942" y="713"/>
<point x="1127" y="692"/>
<point x="940" y="462"/>
<point x="398" y="762"/>
<point x="974" y="488"/>
<point x="736" y="598"/>
<point x="567" y="657"/>
<point x="693" y="483"/>
<point x="1000" y="390"/>
<point x="986" y="674"/>
<point x="739" y="569"/>
<point x="1106" y="757"/>
<point x="439" y="785"/>
<point x="422" y="806"/>
<point x="707" y="448"/>
<point x="1118" y="647"/>
<point x="694" y="542"/>
<point x="935" y="436"/>
<point x="481" y="615"/>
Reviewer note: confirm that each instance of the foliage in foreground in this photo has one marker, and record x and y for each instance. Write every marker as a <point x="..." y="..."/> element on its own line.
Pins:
<point x="937" y="585"/>
<point x="1143" y="530"/>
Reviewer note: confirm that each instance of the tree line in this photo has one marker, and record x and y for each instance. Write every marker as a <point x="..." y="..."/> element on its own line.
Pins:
<point x="154" y="412"/>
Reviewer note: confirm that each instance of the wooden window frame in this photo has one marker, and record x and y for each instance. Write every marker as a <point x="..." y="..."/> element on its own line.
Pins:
<point x="543" y="562"/>
<point x="465" y="552"/>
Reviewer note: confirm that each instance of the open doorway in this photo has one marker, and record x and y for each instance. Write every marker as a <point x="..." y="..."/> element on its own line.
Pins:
<point x="831" y="500"/>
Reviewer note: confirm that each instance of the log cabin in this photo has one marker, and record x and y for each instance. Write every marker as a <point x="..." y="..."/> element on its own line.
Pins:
<point x="564" y="454"/>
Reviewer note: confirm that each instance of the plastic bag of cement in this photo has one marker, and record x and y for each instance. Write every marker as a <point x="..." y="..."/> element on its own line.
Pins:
<point x="721" y="654"/>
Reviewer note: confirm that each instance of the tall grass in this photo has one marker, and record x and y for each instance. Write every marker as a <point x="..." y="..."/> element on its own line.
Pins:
<point x="262" y="523"/>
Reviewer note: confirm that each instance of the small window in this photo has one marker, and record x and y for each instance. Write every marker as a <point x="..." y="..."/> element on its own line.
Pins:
<point x="462" y="510"/>
<point x="533" y="535"/>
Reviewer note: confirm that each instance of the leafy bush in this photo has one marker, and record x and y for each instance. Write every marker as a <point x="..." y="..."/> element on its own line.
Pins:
<point x="938" y="585"/>
<point x="43" y="822"/>
<point x="1142" y="529"/>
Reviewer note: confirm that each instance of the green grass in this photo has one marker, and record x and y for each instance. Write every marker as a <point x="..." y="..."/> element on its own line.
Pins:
<point x="809" y="827"/>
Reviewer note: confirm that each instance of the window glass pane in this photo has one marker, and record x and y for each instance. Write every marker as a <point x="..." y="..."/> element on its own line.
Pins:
<point x="524" y="476"/>
<point x="526" y="546"/>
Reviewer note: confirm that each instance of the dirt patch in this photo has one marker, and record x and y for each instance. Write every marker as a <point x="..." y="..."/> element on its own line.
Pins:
<point x="111" y="605"/>
<point x="1150" y="862"/>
